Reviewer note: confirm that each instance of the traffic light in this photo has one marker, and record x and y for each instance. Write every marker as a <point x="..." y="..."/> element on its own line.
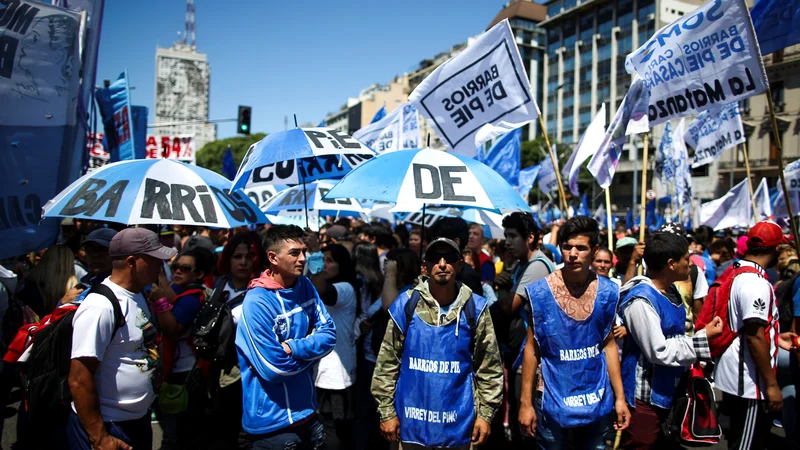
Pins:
<point x="243" y="122"/>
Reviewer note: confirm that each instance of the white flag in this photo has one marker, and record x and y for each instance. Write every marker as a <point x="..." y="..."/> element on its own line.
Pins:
<point x="398" y="130"/>
<point x="683" y="173"/>
<point x="484" y="84"/>
<point x="587" y="146"/>
<point x="714" y="131"/>
<point x="547" y="174"/>
<point x="707" y="58"/>
<point x="665" y="157"/>
<point x="763" y="205"/>
<point x="733" y="209"/>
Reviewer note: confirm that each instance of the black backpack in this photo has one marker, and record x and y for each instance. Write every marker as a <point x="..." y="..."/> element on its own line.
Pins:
<point x="46" y="372"/>
<point x="213" y="329"/>
<point x="783" y="295"/>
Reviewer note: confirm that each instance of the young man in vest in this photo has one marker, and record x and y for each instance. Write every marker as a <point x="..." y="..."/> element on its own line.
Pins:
<point x="746" y="371"/>
<point x="657" y="350"/>
<point x="284" y="329"/>
<point x="439" y="349"/>
<point x="570" y="334"/>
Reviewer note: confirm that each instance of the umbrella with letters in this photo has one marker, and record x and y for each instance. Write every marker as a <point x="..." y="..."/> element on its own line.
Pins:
<point x="155" y="191"/>
<point x="294" y="199"/>
<point x="492" y="222"/>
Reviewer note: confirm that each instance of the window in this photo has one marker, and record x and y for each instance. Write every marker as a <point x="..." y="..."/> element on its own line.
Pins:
<point x="701" y="171"/>
<point x="569" y="63"/>
<point x="554" y="9"/>
<point x="587" y="29"/>
<point x="586" y="57"/>
<point x="567" y="123"/>
<point x="585" y="98"/>
<point x="624" y="13"/>
<point x="568" y="30"/>
<point x="625" y="43"/>
<point x="605" y="17"/>
<point x="604" y="50"/>
<point x="569" y="4"/>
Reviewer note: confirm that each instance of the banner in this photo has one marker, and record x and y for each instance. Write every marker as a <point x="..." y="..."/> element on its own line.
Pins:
<point x="683" y="173"/>
<point x="763" y="203"/>
<point x="139" y="114"/>
<point x="733" y="209"/>
<point x="777" y="24"/>
<point x="706" y="58"/>
<point x="547" y="175"/>
<point x="527" y="177"/>
<point x="714" y="131"/>
<point x="665" y="164"/>
<point x="504" y="156"/>
<point x="587" y="146"/>
<point x="399" y="130"/>
<point x="485" y="83"/>
<point x="114" y="103"/>
<point x="39" y="64"/>
<point x="180" y="148"/>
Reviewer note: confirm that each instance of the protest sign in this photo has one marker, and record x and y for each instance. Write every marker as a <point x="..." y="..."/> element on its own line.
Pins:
<point x="398" y="130"/>
<point x="484" y="84"/>
<point x="178" y="148"/>
<point x="714" y="131"/>
<point x="115" y="110"/>
<point x="39" y="64"/>
<point x="707" y="58"/>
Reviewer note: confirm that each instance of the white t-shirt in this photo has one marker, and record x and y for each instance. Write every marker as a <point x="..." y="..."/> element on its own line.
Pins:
<point x="338" y="370"/>
<point x="233" y="294"/>
<point x="752" y="298"/>
<point x="127" y="362"/>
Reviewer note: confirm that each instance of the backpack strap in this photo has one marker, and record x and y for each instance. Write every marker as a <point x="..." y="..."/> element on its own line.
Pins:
<point x="546" y="262"/>
<point x="470" y="313"/>
<point x="105" y="291"/>
<point x="411" y="307"/>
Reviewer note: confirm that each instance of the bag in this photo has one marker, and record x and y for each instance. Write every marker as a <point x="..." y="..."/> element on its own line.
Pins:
<point x="46" y="370"/>
<point x="173" y="398"/>
<point x="716" y="304"/>
<point x="213" y="330"/>
<point x="692" y="419"/>
<point x="783" y="294"/>
<point x="17" y="315"/>
<point x="169" y="346"/>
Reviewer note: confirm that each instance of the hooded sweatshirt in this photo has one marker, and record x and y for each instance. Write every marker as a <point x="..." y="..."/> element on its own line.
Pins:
<point x="278" y="389"/>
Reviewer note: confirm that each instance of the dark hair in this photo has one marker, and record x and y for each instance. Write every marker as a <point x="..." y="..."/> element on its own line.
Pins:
<point x="203" y="259"/>
<point x="761" y="251"/>
<point x="451" y="228"/>
<point x="408" y="265"/>
<point x="278" y="234"/>
<point x="343" y="221"/>
<point x="368" y="265"/>
<point x="383" y="237"/>
<point x="402" y="232"/>
<point x="347" y="272"/>
<point x="703" y="235"/>
<point x="580" y="226"/>
<point x="661" y="247"/>
<point x="523" y="223"/>
<point x="253" y="244"/>
<point x="724" y="243"/>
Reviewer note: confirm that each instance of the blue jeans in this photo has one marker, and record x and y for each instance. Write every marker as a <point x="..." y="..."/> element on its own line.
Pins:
<point x="308" y="436"/>
<point x="136" y="433"/>
<point x="551" y="436"/>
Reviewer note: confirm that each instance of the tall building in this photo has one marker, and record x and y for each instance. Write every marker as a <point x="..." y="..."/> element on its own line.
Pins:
<point x="359" y="111"/>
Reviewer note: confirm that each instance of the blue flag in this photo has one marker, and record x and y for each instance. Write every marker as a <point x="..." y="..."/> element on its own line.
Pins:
<point x="777" y="24"/>
<point x="115" y="108"/>
<point x="504" y="156"/>
<point x="629" y="219"/>
<point x="583" y="210"/>
<point x="228" y="164"/>
<point x="527" y="177"/>
<point x="379" y="115"/>
<point x="321" y="123"/>
<point x="139" y="131"/>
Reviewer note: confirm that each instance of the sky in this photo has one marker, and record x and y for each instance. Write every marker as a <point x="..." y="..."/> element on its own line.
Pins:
<point x="283" y="58"/>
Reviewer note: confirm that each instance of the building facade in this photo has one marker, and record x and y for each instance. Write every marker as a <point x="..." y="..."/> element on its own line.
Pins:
<point x="359" y="111"/>
<point x="183" y="79"/>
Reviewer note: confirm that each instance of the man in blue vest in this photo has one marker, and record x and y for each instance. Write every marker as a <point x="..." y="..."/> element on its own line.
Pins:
<point x="658" y="350"/>
<point x="570" y="336"/>
<point x="438" y="380"/>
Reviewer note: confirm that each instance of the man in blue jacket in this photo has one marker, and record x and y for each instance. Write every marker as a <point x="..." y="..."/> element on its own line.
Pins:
<point x="283" y="331"/>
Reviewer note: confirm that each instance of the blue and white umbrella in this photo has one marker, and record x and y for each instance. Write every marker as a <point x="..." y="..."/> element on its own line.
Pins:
<point x="294" y="199"/>
<point x="413" y="178"/>
<point x="155" y="191"/>
<point x="318" y="153"/>
<point x="492" y="222"/>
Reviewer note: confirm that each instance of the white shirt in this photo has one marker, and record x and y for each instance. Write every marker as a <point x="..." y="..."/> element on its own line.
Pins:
<point x="752" y="298"/>
<point x="234" y="294"/>
<point x="127" y="361"/>
<point x="338" y="370"/>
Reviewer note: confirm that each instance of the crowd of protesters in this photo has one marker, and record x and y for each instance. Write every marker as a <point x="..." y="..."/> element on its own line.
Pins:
<point x="366" y="335"/>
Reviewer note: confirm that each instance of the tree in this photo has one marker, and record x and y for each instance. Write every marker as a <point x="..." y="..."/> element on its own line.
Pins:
<point x="210" y="156"/>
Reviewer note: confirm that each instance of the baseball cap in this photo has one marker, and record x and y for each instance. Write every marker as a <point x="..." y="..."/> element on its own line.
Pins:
<point x="443" y="241"/>
<point x="139" y="241"/>
<point x="337" y="232"/>
<point x="765" y="234"/>
<point x="625" y="242"/>
<point x="673" y="228"/>
<point x="100" y="236"/>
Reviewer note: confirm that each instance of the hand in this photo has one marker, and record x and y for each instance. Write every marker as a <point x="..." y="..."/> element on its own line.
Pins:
<point x="714" y="328"/>
<point x="527" y="419"/>
<point x="619" y="332"/>
<point x="286" y="348"/>
<point x="311" y="239"/>
<point x="503" y="279"/>
<point x="785" y="341"/>
<point x="391" y="429"/>
<point x="774" y="398"/>
<point x="623" y="414"/>
<point x="638" y="253"/>
<point x="480" y="431"/>
<point x="365" y="326"/>
<point x="108" y="442"/>
<point x="390" y="267"/>
<point x="162" y="289"/>
<point x="71" y="295"/>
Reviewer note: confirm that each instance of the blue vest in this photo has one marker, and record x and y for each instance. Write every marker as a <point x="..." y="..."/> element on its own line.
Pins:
<point x="434" y="399"/>
<point x="577" y="390"/>
<point x="663" y="379"/>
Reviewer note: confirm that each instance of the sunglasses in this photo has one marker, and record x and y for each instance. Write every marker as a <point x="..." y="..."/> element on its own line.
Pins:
<point x="449" y="257"/>
<point x="182" y="268"/>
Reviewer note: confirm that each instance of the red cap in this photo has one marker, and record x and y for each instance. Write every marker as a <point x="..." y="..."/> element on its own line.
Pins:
<point x="765" y="234"/>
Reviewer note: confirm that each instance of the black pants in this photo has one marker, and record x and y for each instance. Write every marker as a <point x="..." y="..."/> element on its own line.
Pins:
<point x="750" y="422"/>
<point x="336" y="415"/>
<point x="136" y="433"/>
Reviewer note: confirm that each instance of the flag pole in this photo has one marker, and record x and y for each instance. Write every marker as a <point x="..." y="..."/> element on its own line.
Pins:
<point x="779" y="147"/>
<point x="561" y="193"/>
<point x="609" y="220"/>
<point x="643" y="213"/>
<point x="749" y="180"/>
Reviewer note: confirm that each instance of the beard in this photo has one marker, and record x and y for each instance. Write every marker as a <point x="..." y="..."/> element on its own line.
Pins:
<point x="441" y="279"/>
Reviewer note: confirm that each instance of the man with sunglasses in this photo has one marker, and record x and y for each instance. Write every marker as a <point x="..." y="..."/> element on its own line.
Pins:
<point x="438" y="378"/>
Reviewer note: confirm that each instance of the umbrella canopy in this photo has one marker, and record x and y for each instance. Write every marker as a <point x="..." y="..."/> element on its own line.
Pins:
<point x="155" y="191"/>
<point x="293" y="199"/>
<point x="425" y="176"/>
<point x="318" y="153"/>
<point x="492" y="222"/>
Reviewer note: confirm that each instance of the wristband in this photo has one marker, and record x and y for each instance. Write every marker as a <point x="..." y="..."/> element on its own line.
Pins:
<point x="316" y="263"/>
<point x="162" y="305"/>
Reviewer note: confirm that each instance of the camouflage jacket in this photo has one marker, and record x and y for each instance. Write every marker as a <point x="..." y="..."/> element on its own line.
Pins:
<point x="488" y="379"/>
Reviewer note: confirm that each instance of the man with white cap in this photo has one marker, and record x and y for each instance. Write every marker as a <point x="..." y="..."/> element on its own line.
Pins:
<point x="114" y="364"/>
